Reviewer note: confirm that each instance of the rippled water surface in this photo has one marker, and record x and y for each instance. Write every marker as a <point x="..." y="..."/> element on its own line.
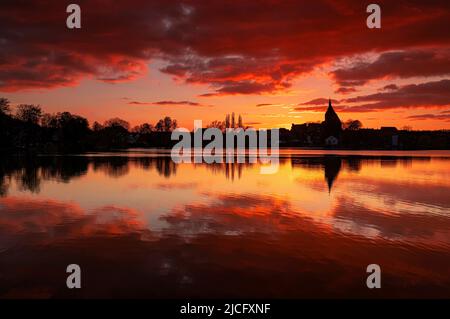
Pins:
<point x="141" y="226"/>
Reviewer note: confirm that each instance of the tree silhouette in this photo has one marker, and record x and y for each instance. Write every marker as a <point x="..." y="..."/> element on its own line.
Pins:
<point x="227" y="121"/>
<point x="97" y="126"/>
<point x="29" y="113"/>
<point x="117" y="122"/>
<point x="4" y="106"/>
<point x="166" y="125"/>
<point x="352" y="125"/>
<point x="143" y="129"/>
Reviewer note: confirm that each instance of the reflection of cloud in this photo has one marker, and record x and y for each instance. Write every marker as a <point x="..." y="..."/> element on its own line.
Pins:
<point x="410" y="227"/>
<point x="270" y="227"/>
<point x="20" y="217"/>
<point x="409" y="192"/>
<point x="238" y="245"/>
<point x="234" y="215"/>
<point x="176" y="185"/>
<point x="164" y="185"/>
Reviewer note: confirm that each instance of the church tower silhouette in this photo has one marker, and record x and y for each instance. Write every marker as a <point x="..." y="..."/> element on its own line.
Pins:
<point x="332" y="126"/>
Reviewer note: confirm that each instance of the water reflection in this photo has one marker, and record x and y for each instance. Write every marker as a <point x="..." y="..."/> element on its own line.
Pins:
<point x="30" y="172"/>
<point x="142" y="226"/>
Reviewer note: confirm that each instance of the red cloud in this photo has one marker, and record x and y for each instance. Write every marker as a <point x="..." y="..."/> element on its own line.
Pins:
<point x="402" y="64"/>
<point x="443" y="117"/>
<point x="389" y="87"/>
<point x="430" y="95"/>
<point x="235" y="47"/>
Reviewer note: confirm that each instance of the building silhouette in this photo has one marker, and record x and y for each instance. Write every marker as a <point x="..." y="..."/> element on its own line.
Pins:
<point x="331" y="127"/>
<point x="332" y="166"/>
<point x="329" y="132"/>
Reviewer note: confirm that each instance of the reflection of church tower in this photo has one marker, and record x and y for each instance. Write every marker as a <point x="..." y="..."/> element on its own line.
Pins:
<point x="332" y="168"/>
<point x="332" y="126"/>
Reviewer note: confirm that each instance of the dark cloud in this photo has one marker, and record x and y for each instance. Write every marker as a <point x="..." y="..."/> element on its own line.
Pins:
<point x="320" y="101"/>
<point x="168" y="103"/>
<point x="433" y="94"/>
<point x="401" y="64"/>
<point x="345" y="90"/>
<point x="389" y="87"/>
<point x="321" y="108"/>
<point x="443" y="117"/>
<point x="429" y="94"/>
<point x="235" y="48"/>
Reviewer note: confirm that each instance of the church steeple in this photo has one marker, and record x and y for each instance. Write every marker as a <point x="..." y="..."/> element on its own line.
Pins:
<point x="332" y="125"/>
<point x="330" y="115"/>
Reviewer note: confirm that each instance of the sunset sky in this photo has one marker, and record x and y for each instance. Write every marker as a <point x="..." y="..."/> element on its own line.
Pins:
<point x="274" y="62"/>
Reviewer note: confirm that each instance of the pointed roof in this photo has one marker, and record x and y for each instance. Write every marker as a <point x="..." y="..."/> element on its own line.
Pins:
<point x="330" y="107"/>
<point x="331" y="115"/>
<point x="332" y="166"/>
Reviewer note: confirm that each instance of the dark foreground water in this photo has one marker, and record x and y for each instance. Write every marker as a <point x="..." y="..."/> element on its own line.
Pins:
<point x="141" y="226"/>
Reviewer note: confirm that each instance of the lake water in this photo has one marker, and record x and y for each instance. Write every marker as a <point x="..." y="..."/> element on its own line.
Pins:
<point x="141" y="226"/>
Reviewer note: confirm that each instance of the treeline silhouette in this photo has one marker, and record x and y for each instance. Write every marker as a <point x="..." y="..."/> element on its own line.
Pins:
<point x="29" y="129"/>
